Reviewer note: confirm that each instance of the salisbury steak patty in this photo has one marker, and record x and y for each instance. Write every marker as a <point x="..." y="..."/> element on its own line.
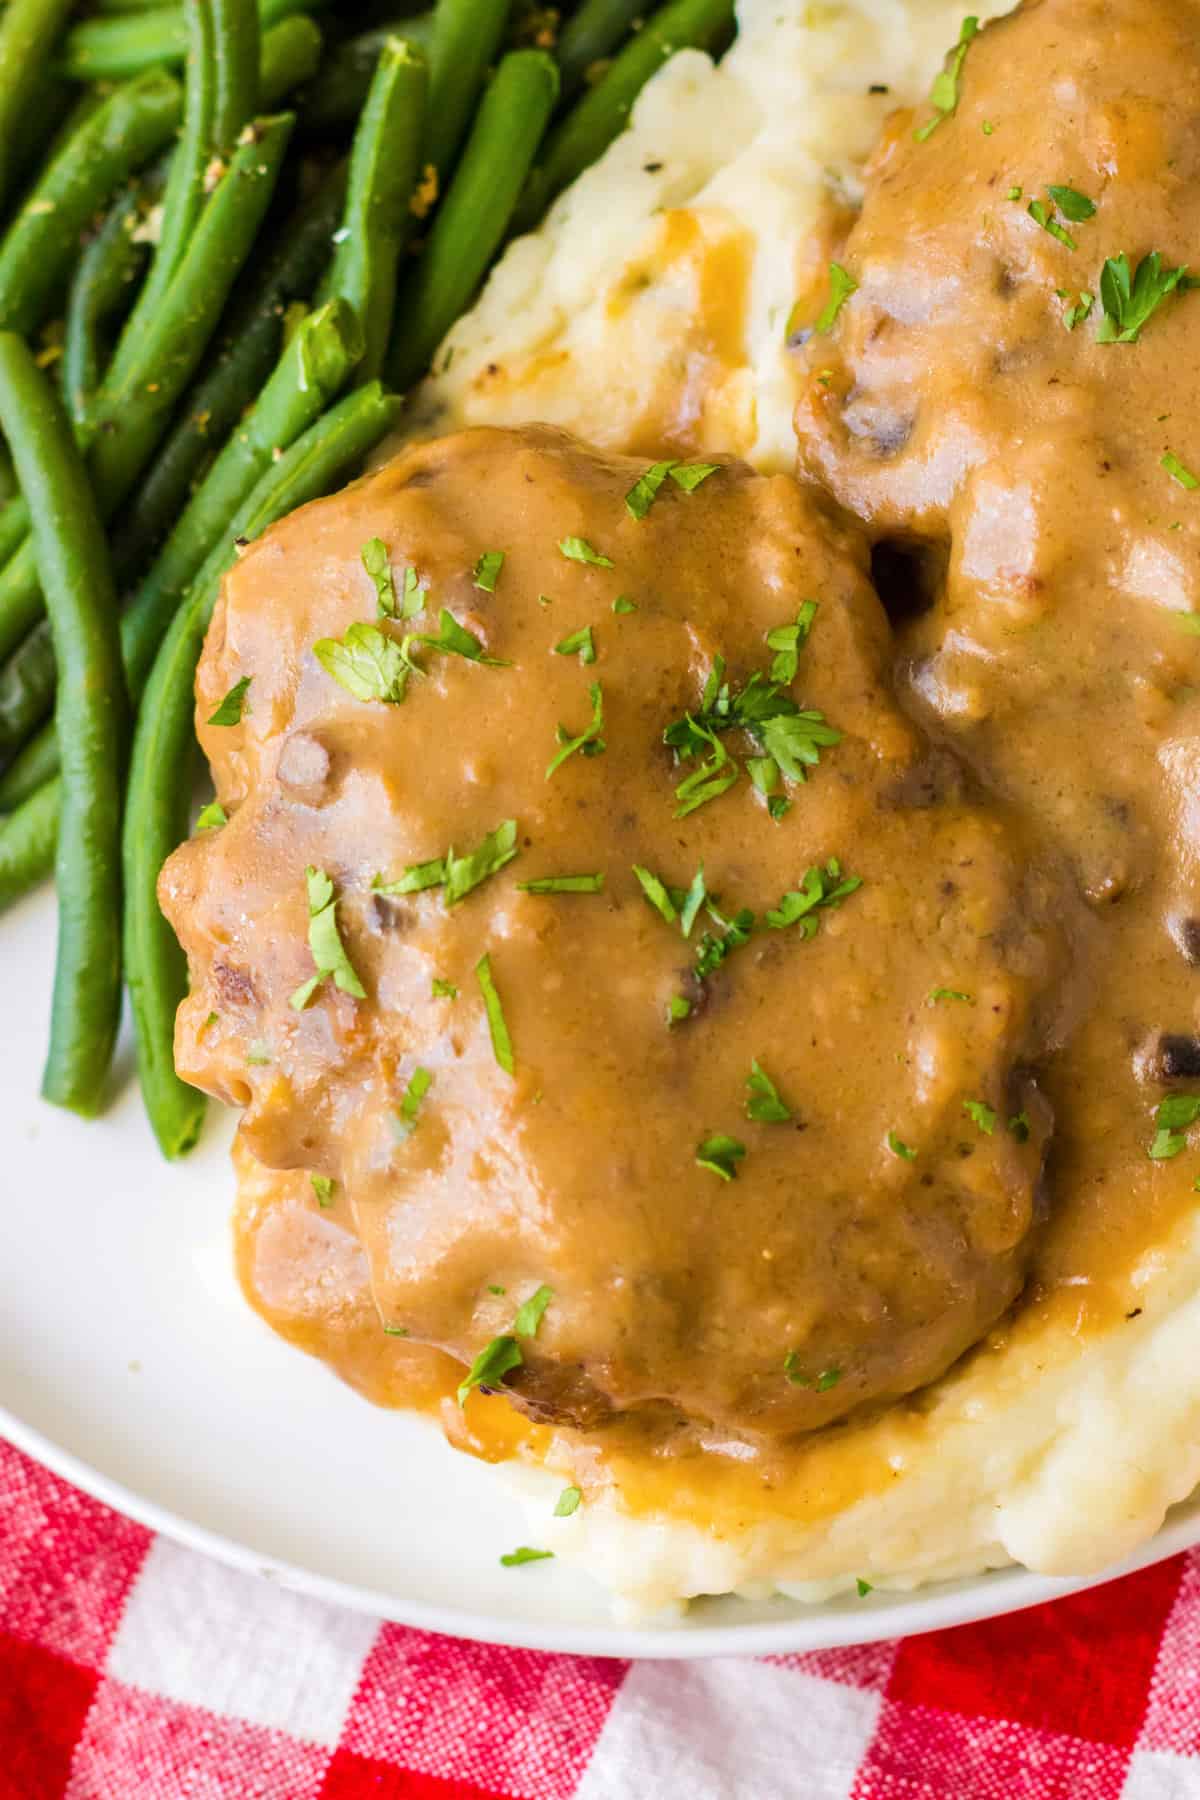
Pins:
<point x="873" y="1214"/>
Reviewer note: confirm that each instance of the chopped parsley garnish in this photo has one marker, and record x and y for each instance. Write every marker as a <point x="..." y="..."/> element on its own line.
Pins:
<point x="1071" y="203"/>
<point x="502" y="1048"/>
<point x="983" y="1115"/>
<point x="822" y="1382"/>
<point x="1174" y="1117"/>
<point x="563" y="884"/>
<point x="720" y="1154"/>
<point x="233" y="705"/>
<point x="419" y="1084"/>
<point x="1080" y="310"/>
<point x="841" y="285"/>
<point x="258" y="1053"/>
<point x="1179" y="472"/>
<point x="454" y="639"/>
<point x="787" y="641"/>
<point x="1041" y="215"/>
<point x="580" y="644"/>
<point x="678" y="1009"/>
<point x="503" y="1354"/>
<point x="577" y="549"/>
<point x="864" y="1587"/>
<point x="323" y="1186"/>
<point x="395" y="1330"/>
<point x="456" y="875"/>
<point x="493" y="1288"/>
<point x="644" y="492"/>
<point x="936" y="994"/>
<point x="487" y="570"/>
<point x="568" y="1502"/>
<point x="589" y="741"/>
<point x="530" y="1312"/>
<point x="819" y="889"/>
<point x="443" y="990"/>
<point x="523" y="1554"/>
<point x="1020" y="1127"/>
<point x="792" y="738"/>
<point x="414" y="596"/>
<point x="735" y="932"/>
<point x="212" y="817"/>
<point x="763" y="1101"/>
<point x="943" y="95"/>
<point x="325" y="942"/>
<point x="1130" y="299"/>
<point x="1014" y="193"/>
<point x="375" y="562"/>
<point x="656" y="893"/>
<point x="898" y="1147"/>
<point x="623" y="604"/>
<point x="693" y="900"/>
<point x="367" y="663"/>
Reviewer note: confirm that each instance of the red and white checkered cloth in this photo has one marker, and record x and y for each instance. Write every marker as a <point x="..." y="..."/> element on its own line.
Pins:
<point x="131" y="1669"/>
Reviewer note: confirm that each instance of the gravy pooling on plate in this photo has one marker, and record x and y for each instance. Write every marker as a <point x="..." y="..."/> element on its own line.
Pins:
<point x="870" y="968"/>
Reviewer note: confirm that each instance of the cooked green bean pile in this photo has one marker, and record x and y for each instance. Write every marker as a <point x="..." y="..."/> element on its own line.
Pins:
<point x="231" y="236"/>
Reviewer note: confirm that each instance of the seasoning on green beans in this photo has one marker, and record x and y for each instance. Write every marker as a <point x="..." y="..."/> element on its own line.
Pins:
<point x="385" y="164"/>
<point x="73" y="565"/>
<point x="39" y="246"/>
<point x="472" y="219"/>
<point x="156" y="818"/>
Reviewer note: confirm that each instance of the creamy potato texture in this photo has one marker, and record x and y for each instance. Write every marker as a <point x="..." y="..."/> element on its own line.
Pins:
<point x="1039" y="561"/>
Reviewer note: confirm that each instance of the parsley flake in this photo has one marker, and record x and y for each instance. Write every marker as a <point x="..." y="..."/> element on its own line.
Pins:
<point x="563" y="884"/>
<point x="796" y="1374"/>
<point x="720" y="1154"/>
<point x="212" y="817"/>
<point x="568" y="1502"/>
<point x="943" y="95"/>
<point x="487" y="570"/>
<point x="1041" y="215"/>
<point x="375" y="562"/>
<point x="577" y="549"/>
<point x="523" y="1554"/>
<point x="529" y="1314"/>
<point x="898" y="1147"/>
<point x="792" y="738"/>
<point x="818" y="890"/>
<point x="982" y="1114"/>
<point x="763" y="1101"/>
<point x="1071" y="203"/>
<point x="940" y="993"/>
<point x="233" y="705"/>
<point x="1179" y="472"/>
<point x="589" y="741"/>
<point x="656" y="893"/>
<point x="454" y="639"/>
<point x="323" y="1186"/>
<point x="864" y="1587"/>
<point x="787" y="641"/>
<point x="623" y="604"/>
<point x="367" y="663"/>
<point x="1080" y="310"/>
<point x="841" y="285"/>
<point x="494" y="1362"/>
<point x="1129" y="299"/>
<point x="580" y="643"/>
<point x="325" y="942"/>
<point x="502" y="1048"/>
<point x="644" y="492"/>
<point x="419" y="1084"/>
<point x="443" y="990"/>
<point x="1173" y="1118"/>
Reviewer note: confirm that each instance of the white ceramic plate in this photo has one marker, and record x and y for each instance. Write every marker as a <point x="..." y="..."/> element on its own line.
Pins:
<point x="130" y="1364"/>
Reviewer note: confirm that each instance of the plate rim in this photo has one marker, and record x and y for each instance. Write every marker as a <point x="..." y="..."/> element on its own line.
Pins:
<point x="936" y="1607"/>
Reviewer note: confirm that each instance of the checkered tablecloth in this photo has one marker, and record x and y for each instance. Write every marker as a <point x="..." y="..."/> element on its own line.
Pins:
<point x="131" y="1669"/>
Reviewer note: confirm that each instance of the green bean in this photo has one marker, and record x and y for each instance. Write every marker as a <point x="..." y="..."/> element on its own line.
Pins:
<point x="28" y="31"/>
<point x="43" y="239"/>
<point x="14" y="528"/>
<point x="338" y="90"/>
<point x="156" y="815"/>
<point x="603" y="112"/>
<point x="72" y="558"/>
<point x="28" y="838"/>
<point x="132" y="413"/>
<point x="237" y="367"/>
<point x="36" y="765"/>
<point x="466" y="38"/>
<point x="385" y="163"/>
<point x="27" y="678"/>
<point x="111" y="49"/>
<point x="291" y="54"/>
<point x="222" y="74"/>
<point x="102" y="286"/>
<point x="473" y="217"/>
<point x="312" y="369"/>
<point x="591" y="35"/>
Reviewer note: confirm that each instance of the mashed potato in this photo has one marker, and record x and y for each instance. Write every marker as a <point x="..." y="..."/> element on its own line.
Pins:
<point x="650" y="313"/>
